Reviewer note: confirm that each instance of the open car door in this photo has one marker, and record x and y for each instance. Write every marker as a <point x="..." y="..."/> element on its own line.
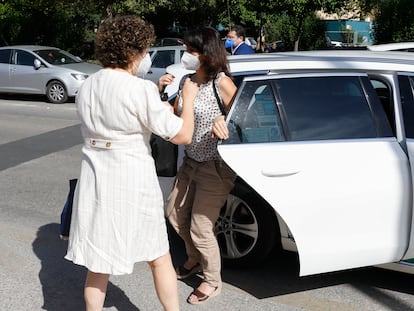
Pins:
<point x="319" y="149"/>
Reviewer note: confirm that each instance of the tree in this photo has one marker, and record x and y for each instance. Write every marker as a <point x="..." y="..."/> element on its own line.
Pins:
<point x="261" y="14"/>
<point x="394" y="21"/>
<point x="299" y="10"/>
<point x="69" y="23"/>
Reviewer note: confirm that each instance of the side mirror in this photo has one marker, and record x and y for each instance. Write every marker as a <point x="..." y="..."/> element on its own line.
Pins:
<point x="37" y="64"/>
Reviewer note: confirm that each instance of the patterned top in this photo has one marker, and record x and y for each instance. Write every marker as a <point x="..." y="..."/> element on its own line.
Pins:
<point x="203" y="147"/>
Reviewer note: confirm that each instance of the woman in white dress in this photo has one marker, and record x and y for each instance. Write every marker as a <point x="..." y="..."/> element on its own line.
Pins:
<point x="118" y="216"/>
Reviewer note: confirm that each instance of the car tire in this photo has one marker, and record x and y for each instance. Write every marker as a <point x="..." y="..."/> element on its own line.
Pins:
<point x="56" y="92"/>
<point x="247" y="229"/>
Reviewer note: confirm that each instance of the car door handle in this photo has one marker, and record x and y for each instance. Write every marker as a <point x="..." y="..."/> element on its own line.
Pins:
<point x="279" y="172"/>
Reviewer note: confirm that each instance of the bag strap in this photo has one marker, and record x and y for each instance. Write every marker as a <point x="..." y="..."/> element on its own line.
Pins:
<point x="180" y="85"/>
<point x="219" y="102"/>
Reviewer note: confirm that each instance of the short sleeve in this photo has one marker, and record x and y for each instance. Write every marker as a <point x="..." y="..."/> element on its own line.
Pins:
<point x="157" y="117"/>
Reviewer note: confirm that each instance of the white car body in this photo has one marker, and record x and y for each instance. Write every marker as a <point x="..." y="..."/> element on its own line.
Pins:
<point x="162" y="57"/>
<point x="341" y="202"/>
<point x="398" y="46"/>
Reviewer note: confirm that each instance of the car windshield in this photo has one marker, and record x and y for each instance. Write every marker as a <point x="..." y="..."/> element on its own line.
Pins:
<point x="57" y="57"/>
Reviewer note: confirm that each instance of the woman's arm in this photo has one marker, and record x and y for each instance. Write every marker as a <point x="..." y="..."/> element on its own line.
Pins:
<point x="227" y="91"/>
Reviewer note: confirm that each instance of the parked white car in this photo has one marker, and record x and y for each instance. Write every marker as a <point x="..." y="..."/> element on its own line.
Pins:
<point x="398" y="46"/>
<point x="322" y="143"/>
<point x="162" y="57"/>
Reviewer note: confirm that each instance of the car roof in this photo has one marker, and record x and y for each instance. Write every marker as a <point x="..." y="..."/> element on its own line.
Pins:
<point x="391" y="46"/>
<point x="355" y="60"/>
<point x="308" y="61"/>
<point x="167" y="47"/>
<point x="29" y="47"/>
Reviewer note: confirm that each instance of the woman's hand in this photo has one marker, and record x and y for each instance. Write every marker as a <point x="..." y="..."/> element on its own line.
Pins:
<point x="165" y="80"/>
<point x="220" y="129"/>
<point x="189" y="91"/>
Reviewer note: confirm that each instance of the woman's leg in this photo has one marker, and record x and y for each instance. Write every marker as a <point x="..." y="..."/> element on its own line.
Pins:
<point x="95" y="290"/>
<point x="213" y="184"/>
<point x="179" y="207"/>
<point x="165" y="281"/>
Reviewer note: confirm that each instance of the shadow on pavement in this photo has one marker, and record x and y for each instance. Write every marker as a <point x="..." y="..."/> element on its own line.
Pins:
<point x="278" y="275"/>
<point x="30" y="97"/>
<point x="62" y="281"/>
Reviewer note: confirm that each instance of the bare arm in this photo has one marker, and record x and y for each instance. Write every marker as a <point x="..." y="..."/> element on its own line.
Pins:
<point x="227" y="91"/>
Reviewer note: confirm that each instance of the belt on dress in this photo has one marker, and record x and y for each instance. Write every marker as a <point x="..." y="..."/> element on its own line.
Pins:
<point x="110" y="144"/>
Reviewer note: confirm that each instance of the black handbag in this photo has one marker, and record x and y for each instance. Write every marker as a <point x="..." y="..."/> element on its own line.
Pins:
<point x="165" y="155"/>
<point x="66" y="215"/>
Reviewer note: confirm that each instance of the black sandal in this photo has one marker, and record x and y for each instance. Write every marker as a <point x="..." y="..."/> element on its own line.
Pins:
<point x="201" y="297"/>
<point x="183" y="273"/>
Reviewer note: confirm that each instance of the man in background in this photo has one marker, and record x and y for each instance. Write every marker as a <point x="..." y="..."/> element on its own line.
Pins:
<point x="236" y="41"/>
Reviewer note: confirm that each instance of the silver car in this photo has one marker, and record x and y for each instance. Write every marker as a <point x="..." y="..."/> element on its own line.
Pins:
<point x="33" y="69"/>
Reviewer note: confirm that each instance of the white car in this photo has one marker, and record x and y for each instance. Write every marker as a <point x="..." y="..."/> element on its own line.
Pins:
<point x="398" y="46"/>
<point x="322" y="143"/>
<point x="162" y="57"/>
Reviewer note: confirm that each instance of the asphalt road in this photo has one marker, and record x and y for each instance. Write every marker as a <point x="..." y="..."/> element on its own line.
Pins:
<point x="40" y="151"/>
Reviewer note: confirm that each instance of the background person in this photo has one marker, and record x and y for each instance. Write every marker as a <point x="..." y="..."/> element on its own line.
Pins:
<point x="203" y="181"/>
<point x="236" y="41"/>
<point x="118" y="215"/>
<point x="273" y="48"/>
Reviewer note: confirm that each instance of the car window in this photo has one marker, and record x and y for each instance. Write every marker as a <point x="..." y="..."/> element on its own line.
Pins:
<point x="384" y="94"/>
<point x="163" y="59"/>
<point x="305" y="108"/>
<point x="23" y="58"/>
<point x="256" y="118"/>
<point x="406" y="84"/>
<point x="326" y="108"/>
<point x="57" y="57"/>
<point x="5" y="56"/>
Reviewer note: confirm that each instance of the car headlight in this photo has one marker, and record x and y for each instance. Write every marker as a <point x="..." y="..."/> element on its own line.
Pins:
<point x="79" y="76"/>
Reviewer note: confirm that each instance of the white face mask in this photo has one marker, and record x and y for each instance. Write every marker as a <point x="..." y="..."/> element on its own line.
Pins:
<point x="190" y="61"/>
<point x="144" y="66"/>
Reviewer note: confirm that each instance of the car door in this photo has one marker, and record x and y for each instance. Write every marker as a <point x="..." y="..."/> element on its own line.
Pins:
<point x="160" y="61"/>
<point x="24" y="77"/>
<point x="5" y="69"/>
<point x="321" y="152"/>
<point x="403" y="103"/>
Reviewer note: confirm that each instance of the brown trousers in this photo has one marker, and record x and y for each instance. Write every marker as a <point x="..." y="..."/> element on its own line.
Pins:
<point x="199" y="192"/>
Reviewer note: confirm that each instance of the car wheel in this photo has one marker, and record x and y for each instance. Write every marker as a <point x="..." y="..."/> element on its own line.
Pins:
<point x="247" y="228"/>
<point x="56" y="92"/>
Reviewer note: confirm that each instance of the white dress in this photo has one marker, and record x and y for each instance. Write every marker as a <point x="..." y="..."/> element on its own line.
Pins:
<point x="118" y="209"/>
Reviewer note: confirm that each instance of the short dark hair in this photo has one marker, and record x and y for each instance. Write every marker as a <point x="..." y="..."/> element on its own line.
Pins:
<point x="121" y="38"/>
<point x="240" y="32"/>
<point x="207" y="42"/>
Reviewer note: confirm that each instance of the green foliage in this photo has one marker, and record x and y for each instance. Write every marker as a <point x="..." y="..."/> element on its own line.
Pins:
<point x="283" y="27"/>
<point x="70" y="23"/>
<point x="394" y="21"/>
